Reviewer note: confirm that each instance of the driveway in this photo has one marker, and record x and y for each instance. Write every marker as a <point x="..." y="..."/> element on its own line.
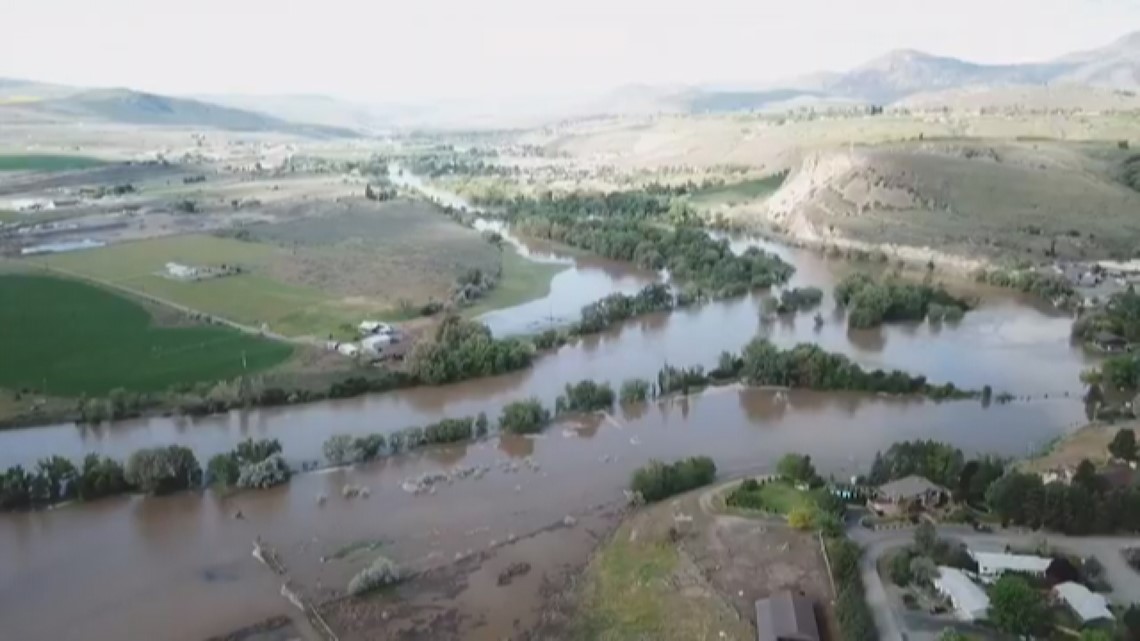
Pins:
<point x="1124" y="580"/>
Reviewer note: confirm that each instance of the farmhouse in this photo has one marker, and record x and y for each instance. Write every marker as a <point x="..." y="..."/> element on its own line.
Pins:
<point x="181" y="272"/>
<point x="992" y="565"/>
<point x="908" y="493"/>
<point x="970" y="601"/>
<point x="1084" y="603"/>
<point x="786" y="617"/>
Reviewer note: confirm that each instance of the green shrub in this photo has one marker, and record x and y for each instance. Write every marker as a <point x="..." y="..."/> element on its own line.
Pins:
<point x="524" y="417"/>
<point x="658" y="480"/>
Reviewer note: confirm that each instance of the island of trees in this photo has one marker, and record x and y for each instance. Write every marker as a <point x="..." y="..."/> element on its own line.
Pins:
<point x="870" y="303"/>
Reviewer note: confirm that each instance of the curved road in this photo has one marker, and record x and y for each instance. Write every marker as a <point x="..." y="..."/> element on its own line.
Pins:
<point x="1124" y="580"/>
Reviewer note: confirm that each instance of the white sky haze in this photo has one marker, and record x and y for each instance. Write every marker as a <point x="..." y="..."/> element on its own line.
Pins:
<point x="382" y="51"/>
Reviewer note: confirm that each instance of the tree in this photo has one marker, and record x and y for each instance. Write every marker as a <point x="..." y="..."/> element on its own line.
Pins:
<point x="524" y="417"/>
<point x="922" y="570"/>
<point x="160" y="470"/>
<point x="634" y="390"/>
<point x="925" y="538"/>
<point x="222" y="469"/>
<point x="796" y="468"/>
<point x="899" y="569"/>
<point x="101" y="476"/>
<point x="381" y="572"/>
<point x="657" y="480"/>
<point x="1016" y="608"/>
<point x="1086" y="477"/>
<point x="1123" y="445"/>
<point x="342" y="449"/>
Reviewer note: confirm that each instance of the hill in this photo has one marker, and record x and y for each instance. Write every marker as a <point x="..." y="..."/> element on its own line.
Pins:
<point x="971" y="199"/>
<point x="36" y="102"/>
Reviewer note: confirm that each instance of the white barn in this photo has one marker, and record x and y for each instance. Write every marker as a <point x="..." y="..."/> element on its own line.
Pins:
<point x="969" y="599"/>
<point x="1087" y="605"/>
<point x="992" y="565"/>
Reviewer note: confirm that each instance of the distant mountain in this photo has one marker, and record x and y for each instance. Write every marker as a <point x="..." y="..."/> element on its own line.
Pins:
<point x="47" y="103"/>
<point x="902" y="73"/>
<point x="309" y="108"/>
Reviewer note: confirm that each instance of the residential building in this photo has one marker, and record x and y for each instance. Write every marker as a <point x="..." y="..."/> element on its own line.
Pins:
<point x="1087" y="605"/>
<point x="908" y="493"/>
<point x="969" y="599"/>
<point x="992" y="565"/>
<point x="786" y="617"/>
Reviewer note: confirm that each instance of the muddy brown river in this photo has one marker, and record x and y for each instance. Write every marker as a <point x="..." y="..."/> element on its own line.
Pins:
<point x="181" y="567"/>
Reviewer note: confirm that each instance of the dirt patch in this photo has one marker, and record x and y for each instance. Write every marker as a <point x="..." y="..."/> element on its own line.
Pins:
<point x="467" y="598"/>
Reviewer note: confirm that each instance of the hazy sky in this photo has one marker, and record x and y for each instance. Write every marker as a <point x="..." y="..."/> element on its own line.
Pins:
<point x="380" y="50"/>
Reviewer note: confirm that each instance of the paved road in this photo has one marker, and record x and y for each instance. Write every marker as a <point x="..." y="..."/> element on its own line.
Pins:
<point x="1124" y="581"/>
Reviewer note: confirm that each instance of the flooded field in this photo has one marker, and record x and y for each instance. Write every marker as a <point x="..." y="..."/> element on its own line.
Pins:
<point x="181" y="567"/>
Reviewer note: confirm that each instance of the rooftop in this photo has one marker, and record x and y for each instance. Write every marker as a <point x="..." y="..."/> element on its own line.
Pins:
<point x="786" y="617"/>
<point x="1010" y="562"/>
<point x="968" y="596"/>
<point x="1086" y="604"/>
<point x="908" y="487"/>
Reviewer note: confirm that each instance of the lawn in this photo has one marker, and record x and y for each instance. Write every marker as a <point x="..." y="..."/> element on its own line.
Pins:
<point x="776" y="496"/>
<point x="738" y="192"/>
<point x="522" y="280"/>
<point x="77" y="339"/>
<point x="44" y="162"/>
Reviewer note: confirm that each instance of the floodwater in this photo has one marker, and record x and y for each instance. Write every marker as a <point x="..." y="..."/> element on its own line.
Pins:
<point x="180" y="567"/>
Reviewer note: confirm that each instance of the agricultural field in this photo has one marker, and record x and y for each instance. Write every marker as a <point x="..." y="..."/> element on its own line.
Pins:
<point x="35" y="162"/>
<point x="310" y="276"/>
<point x="68" y="338"/>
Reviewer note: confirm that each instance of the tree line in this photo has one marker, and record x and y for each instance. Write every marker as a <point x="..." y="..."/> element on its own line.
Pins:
<point x="155" y="470"/>
<point x="626" y="226"/>
<point x="461" y="349"/>
<point x="870" y="303"/>
<point x="1051" y="287"/>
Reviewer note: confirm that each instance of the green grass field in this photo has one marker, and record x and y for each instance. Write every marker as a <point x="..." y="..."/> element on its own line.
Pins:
<point x="251" y="298"/>
<point x="522" y="280"/>
<point x="45" y="162"/>
<point x="733" y="193"/>
<point x="79" y="339"/>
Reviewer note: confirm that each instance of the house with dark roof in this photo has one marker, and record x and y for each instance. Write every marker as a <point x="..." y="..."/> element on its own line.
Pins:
<point x="908" y="493"/>
<point x="786" y="617"/>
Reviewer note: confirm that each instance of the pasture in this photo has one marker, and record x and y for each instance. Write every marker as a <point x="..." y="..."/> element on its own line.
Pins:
<point x="68" y="338"/>
<point x="312" y="276"/>
<point x="46" y="162"/>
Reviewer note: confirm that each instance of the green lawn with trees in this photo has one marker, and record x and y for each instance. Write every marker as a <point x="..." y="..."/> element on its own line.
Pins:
<point x="67" y="338"/>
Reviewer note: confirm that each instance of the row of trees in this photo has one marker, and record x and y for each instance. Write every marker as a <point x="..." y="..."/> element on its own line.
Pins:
<point x="344" y="449"/>
<point x="1051" y="287"/>
<point x="809" y="366"/>
<point x="855" y="620"/>
<point x="618" y="307"/>
<point x="870" y="303"/>
<point x="656" y="480"/>
<point x="156" y="470"/>
<point x="687" y="252"/>
<point x="1085" y="506"/>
